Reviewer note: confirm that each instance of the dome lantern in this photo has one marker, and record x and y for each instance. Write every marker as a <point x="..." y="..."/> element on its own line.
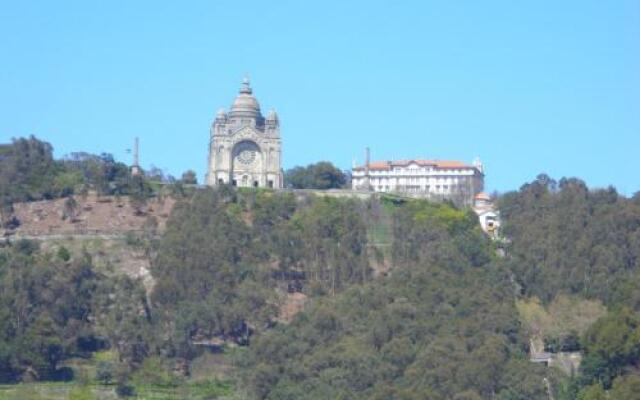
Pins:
<point x="245" y="105"/>
<point x="246" y="86"/>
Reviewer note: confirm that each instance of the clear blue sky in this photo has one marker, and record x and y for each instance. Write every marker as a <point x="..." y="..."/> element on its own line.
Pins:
<point x="546" y="86"/>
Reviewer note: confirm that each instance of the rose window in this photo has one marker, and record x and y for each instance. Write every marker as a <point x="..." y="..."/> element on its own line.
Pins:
<point x="247" y="156"/>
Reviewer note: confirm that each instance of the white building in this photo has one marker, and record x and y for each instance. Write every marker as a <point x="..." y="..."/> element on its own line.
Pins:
<point x="488" y="216"/>
<point x="433" y="179"/>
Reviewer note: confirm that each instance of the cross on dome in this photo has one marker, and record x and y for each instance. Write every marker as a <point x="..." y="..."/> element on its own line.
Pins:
<point x="246" y="86"/>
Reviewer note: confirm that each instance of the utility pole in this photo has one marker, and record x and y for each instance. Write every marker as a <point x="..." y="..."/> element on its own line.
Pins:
<point x="135" y="167"/>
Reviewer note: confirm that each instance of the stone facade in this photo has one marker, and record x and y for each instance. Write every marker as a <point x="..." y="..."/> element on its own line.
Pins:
<point x="245" y="148"/>
<point x="433" y="179"/>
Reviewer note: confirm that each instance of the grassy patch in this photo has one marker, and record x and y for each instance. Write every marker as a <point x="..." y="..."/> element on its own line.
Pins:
<point x="203" y="390"/>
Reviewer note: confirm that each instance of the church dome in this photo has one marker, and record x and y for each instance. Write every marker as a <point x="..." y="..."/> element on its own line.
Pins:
<point x="245" y="105"/>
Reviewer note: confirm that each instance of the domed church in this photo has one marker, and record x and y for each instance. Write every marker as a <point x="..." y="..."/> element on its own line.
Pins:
<point x="245" y="148"/>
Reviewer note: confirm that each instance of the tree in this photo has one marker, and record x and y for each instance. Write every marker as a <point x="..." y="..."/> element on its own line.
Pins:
<point x="70" y="209"/>
<point x="153" y="371"/>
<point x="125" y="320"/>
<point x="189" y="178"/>
<point x="102" y="172"/>
<point x="155" y="174"/>
<point x="124" y="389"/>
<point x="565" y="237"/>
<point x="322" y="175"/>
<point x="63" y="254"/>
<point x="206" y="272"/>
<point x="626" y="388"/>
<point x="331" y="237"/>
<point x="43" y="336"/>
<point x="27" y="170"/>
<point x="7" y="217"/>
<point x="443" y="325"/>
<point x="47" y="306"/>
<point x="104" y="372"/>
<point x="611" y="344"/>
<point x="139" y="193"/>
<point x="593" y="392"/>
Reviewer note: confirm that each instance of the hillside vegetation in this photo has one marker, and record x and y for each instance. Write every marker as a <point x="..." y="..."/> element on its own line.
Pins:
<point x="442" y="326"/>
<point x="568" y="240"/>
<point x="403" y="299"/>
<point x="226" y="255"/>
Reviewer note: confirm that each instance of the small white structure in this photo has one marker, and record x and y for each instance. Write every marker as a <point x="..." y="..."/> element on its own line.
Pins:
<point x="488" y="216"/>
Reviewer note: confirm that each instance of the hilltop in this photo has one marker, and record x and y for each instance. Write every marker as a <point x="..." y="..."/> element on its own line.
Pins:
<point x="132" y="286"/>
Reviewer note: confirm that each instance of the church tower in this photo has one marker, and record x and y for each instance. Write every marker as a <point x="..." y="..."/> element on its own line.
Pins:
<point x="245" y="148"/>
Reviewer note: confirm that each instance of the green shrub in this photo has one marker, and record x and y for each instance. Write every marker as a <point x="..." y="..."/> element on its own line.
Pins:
<point x="63" y="254"/>
<point x="154" y="372"/>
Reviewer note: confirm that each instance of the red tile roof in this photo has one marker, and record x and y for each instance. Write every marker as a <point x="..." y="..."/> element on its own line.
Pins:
<point x="440" y="164"/>
<point x="482" y="196"/>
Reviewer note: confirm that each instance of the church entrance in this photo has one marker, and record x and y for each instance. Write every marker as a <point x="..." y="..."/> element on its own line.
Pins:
<point x="247" y="163"/>
<point x="245" y="180"/>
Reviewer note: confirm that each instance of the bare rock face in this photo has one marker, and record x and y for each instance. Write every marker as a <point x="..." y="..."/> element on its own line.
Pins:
<point x="293" y="304"/>
<point x="95" y="216"/>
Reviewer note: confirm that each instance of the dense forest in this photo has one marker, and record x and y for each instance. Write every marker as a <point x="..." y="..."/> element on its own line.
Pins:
<point x="567" y="239"/>
<point x="441" y="326"/>
<point x="444" y="320"/>
<point x="226" y="252"/>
